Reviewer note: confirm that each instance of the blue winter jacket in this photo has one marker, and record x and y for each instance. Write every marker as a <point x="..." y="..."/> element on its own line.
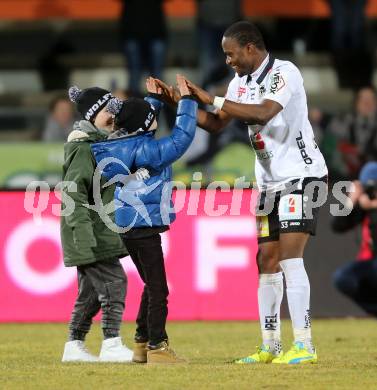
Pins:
<point x="147" y="203"/>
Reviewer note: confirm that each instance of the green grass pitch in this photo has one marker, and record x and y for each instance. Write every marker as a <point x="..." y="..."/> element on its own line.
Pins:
<point x="347" y="348"/>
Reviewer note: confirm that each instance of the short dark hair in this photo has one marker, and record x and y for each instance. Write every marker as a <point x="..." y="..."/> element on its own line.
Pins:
<point x="244" y="33"/>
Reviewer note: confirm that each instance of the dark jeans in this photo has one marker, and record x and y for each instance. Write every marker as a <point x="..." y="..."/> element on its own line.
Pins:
<point x="353" y="61"/>
<point x="101" y="285"/>
<point x="144" y="55"/>
<point x="211" y="56"/>
<point x="347" y="24"/>
<point x="358" y="280"/>
<point x="146" y="253"/>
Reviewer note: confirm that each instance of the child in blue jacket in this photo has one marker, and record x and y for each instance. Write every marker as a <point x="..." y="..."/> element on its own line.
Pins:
<point x="145" y="209"/>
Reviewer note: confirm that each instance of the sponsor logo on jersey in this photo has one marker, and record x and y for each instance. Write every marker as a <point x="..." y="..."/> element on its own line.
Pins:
<point x="257" y="141"/>
<point x="259" y="147"/>
<point x="241" y="91"/>
<point x="301" y="146"/>
<point x="277" y="82"/>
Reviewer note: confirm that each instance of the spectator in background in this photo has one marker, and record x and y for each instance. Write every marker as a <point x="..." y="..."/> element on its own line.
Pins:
<point x="119" y="93"/>
<point x="214" y="16"/>
<point x="327" y="142"/>
<point x="318" y="121"/>
<point x="144" y="40"/>
<point x="358" y="279"/>
<point x="356" y="133"/>
<point x="352" y="59"/>
<point x="59" y="121"/>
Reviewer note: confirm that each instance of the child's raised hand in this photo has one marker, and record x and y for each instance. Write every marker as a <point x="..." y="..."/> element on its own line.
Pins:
<point x="182" y="85"/>
<point x="152" y="86"/>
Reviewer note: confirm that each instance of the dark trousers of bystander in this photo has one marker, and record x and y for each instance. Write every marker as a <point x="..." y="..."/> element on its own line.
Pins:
<point x="358" y="281"/>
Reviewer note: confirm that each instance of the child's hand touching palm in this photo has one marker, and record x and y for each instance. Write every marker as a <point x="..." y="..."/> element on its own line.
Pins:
<point x="182" y="85"/>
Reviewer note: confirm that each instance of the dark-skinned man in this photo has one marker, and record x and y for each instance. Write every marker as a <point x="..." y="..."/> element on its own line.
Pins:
<point x="268" y="94"/>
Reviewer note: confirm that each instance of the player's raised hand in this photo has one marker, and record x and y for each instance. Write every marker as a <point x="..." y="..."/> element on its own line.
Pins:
<point x="170" y="94"/>
<point x="152" y="86"/>
<point x="182" y="85"/>
<point x="201" y="94"/>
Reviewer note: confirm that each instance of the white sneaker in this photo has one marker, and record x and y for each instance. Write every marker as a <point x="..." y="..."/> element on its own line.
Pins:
<point x="75" y="351"/>
<point x="114" y="351"/>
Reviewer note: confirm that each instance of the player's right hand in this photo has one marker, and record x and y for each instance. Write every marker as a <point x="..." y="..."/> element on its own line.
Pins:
<point x="202" y="95"/>
<point x="170" y="94"/>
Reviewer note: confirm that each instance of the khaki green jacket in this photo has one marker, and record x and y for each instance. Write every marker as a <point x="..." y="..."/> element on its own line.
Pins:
<point x="84" y="235"/>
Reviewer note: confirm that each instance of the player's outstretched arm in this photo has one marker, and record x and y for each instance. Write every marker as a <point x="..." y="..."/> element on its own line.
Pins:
<point x="212" y="122"/>
<point x="252" y="114"/>
<point x="255" y="114"/>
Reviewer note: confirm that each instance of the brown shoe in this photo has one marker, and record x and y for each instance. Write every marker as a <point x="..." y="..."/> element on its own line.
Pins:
<point x="164" y="355"/>
<point x="140" y="353"/>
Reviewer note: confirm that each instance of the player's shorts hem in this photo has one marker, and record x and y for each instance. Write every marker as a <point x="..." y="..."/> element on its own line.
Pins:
<point x="262" y="240"/>
<point x="298" y="230"/>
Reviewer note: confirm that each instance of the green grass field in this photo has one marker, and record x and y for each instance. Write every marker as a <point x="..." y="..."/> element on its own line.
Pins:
<point x="30" y="359"/>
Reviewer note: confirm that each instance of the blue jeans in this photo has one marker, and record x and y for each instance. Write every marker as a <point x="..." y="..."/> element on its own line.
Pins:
<point x="211" y="56"/>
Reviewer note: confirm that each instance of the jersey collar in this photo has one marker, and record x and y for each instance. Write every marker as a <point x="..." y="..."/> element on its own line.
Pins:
<point x="262" y="71"/>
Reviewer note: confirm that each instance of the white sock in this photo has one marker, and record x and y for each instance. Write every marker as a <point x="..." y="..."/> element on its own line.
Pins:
<point x="270" y="295"/>
<point x="298" y="296"/>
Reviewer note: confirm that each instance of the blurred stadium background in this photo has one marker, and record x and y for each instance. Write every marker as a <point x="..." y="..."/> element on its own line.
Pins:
<point x="48" y="45"/>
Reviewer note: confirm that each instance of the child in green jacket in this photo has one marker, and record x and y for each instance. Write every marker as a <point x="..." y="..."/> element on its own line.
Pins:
<point x="88" y="243"/>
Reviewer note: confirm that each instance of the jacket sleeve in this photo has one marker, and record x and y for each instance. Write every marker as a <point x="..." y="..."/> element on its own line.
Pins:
<point x="158" y="154"/>
<point x="80" y="171"/>
<point x="155" y="101"/>
<point x="348" y="222"/>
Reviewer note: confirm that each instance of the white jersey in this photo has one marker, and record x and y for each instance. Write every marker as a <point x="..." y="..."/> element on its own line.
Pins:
<point x="285" y="147"/>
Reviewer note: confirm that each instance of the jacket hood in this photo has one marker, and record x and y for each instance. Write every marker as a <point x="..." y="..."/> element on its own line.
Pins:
<point x="86" y="131"/>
